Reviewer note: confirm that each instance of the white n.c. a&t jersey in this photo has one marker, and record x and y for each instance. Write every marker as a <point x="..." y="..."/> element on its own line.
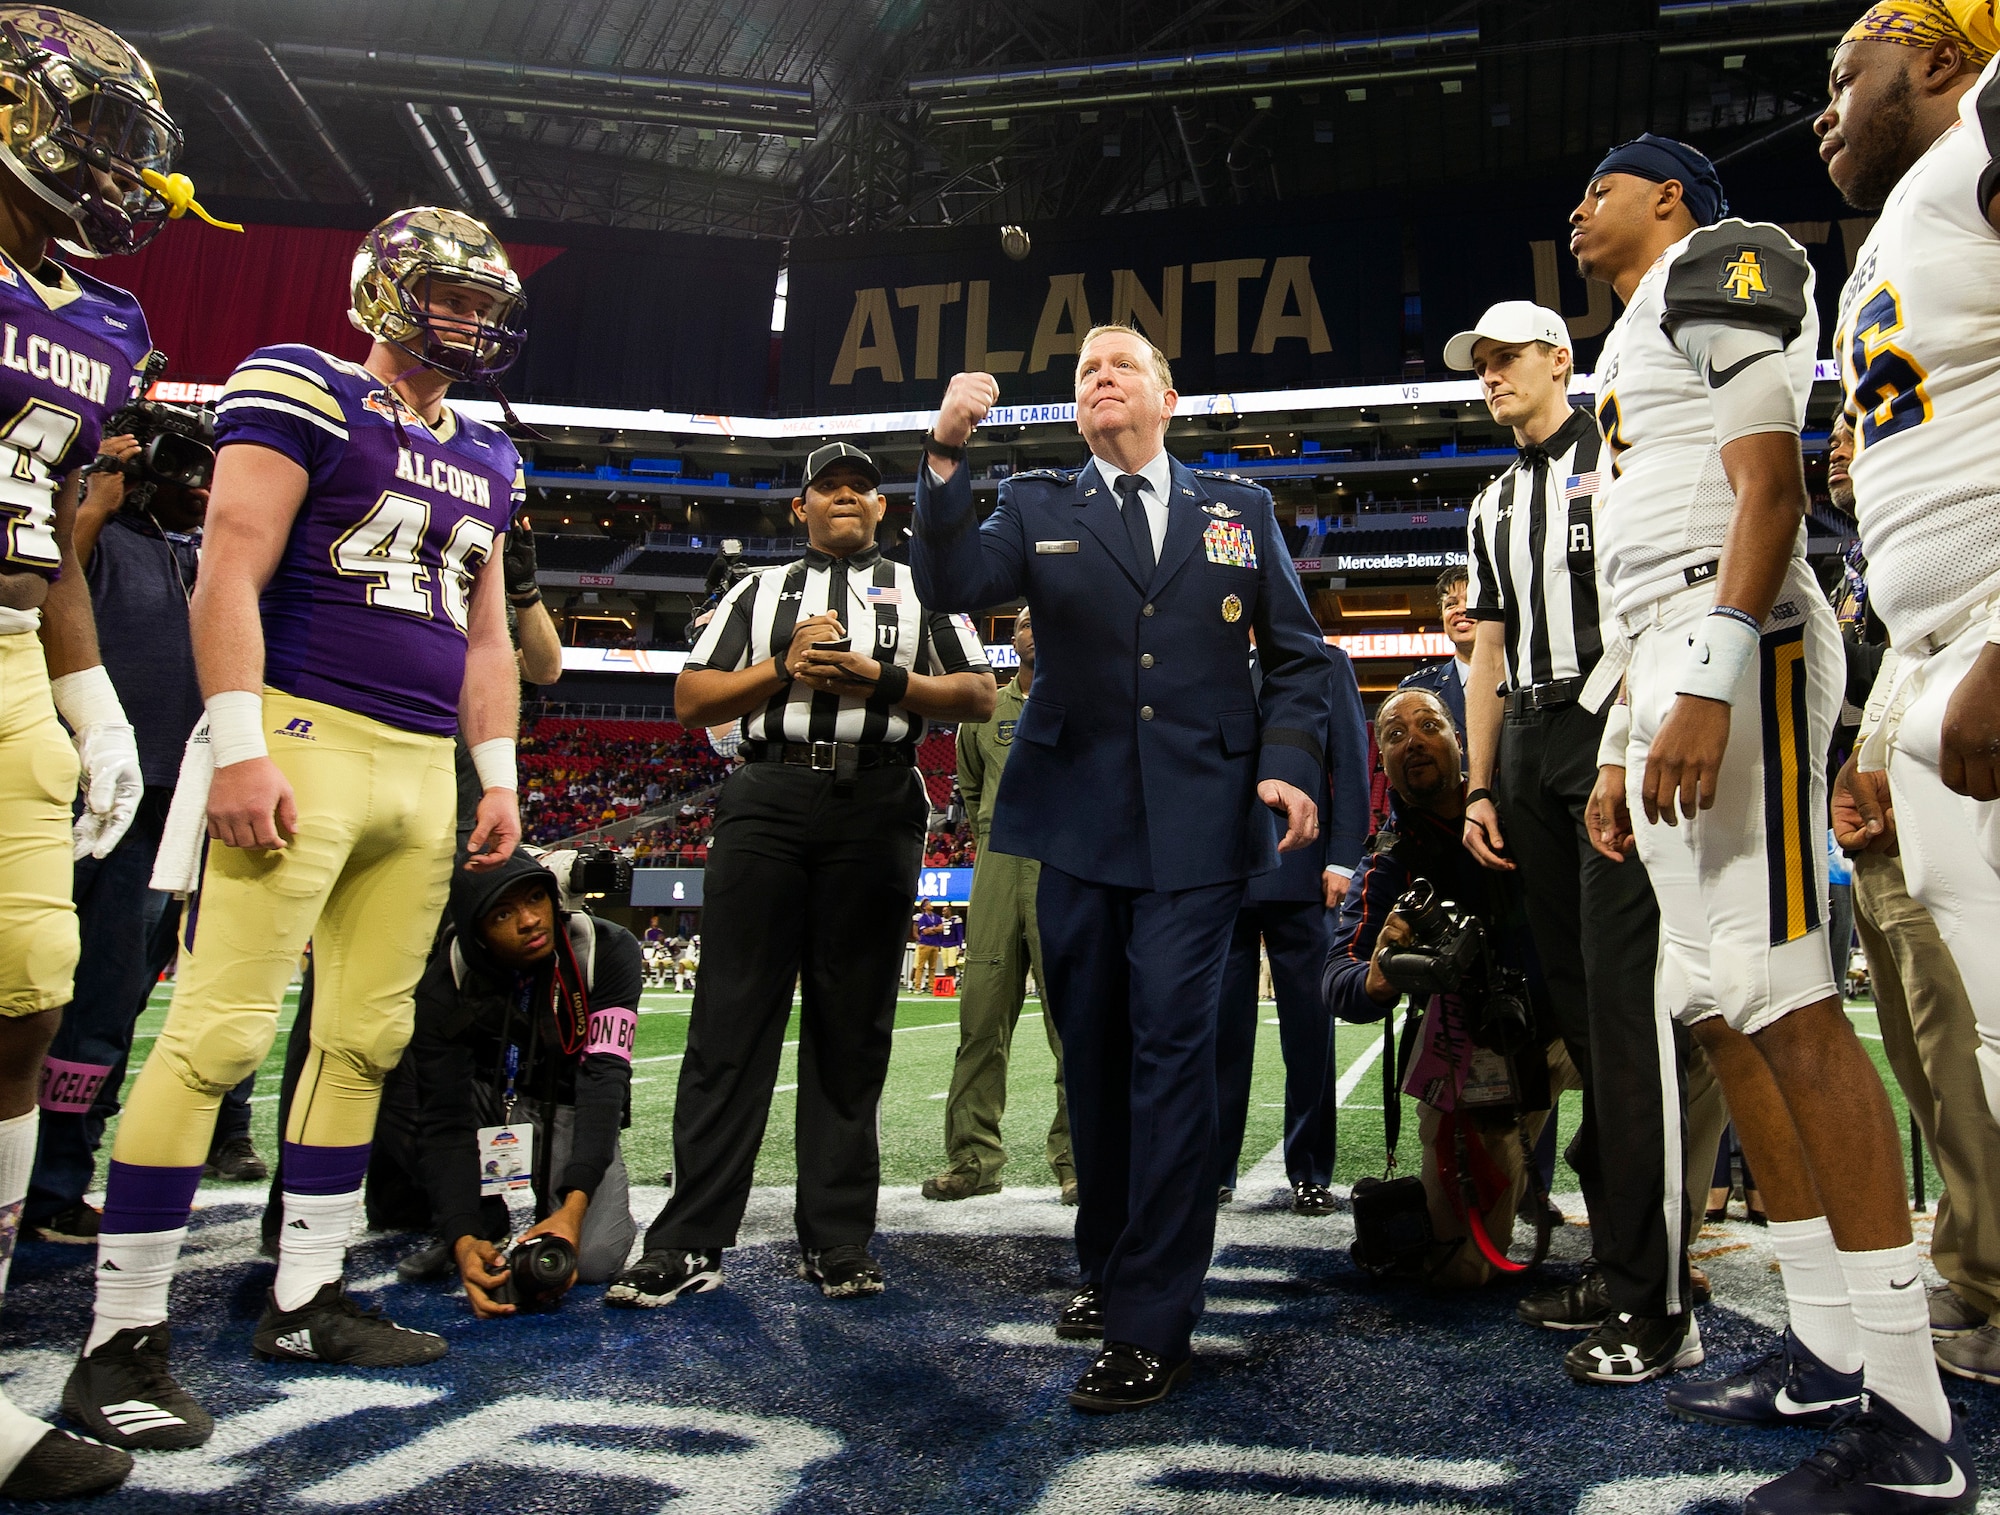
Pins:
<point x="1919" y="349"/>
<point x="1662" y="518"/>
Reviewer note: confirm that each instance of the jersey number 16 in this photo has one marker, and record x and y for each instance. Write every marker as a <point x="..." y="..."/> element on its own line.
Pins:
<point x="1886" y="389"/>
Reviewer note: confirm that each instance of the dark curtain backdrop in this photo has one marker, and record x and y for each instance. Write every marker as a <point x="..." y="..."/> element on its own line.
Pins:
<point x="615" y="318"/>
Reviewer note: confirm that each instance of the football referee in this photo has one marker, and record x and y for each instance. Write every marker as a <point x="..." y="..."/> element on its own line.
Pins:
<point x="1542" y="624"/>
<point x="831" y="665"/>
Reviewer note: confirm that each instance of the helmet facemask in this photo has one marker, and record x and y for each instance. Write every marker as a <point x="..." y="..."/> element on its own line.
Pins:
<point x="406" y="260"/>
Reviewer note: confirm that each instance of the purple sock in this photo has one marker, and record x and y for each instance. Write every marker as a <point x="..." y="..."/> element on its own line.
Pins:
<point x="138" y="1198"/>
<point x="323" y="1170"/>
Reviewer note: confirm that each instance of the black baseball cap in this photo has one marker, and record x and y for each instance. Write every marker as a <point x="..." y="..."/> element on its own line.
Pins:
<point x="834" y="453"/>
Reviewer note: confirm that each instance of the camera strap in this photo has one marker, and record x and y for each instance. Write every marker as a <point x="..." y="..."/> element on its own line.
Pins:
<point x="1459" y="1139"/>
<point x="1392" y="1100"/>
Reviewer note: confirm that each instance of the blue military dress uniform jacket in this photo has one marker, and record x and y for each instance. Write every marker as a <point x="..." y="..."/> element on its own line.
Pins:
<point x="1136" y="763"/>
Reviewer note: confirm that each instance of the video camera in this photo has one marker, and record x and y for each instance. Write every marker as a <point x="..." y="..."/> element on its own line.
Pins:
<point x="1449" y="953"/>
<point x="176" y="442"/>
<point x="727" y="569"/>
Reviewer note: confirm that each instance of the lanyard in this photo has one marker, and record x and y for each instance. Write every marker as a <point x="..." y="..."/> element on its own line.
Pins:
<point x="507" y="1099"/>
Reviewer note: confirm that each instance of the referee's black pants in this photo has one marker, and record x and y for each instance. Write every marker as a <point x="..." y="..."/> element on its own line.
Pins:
<point x="806" y="884"/>
<point x="1596" y="928"/>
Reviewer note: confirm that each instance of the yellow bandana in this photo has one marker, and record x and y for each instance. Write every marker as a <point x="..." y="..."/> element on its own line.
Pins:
<point x="1924" y="23"/>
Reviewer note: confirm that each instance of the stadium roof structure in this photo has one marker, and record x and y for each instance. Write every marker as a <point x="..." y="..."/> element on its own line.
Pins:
<point x="784" y="118"/>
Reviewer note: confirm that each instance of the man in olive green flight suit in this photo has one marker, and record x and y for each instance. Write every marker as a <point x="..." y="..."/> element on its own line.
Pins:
<point x="1001" y="942"/>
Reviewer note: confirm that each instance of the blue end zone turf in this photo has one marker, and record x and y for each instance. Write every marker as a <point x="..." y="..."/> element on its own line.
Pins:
<point x="1315" y="1390"/>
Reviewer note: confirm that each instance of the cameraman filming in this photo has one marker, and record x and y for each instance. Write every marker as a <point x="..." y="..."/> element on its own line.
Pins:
<point x="524" y="1023"/>
<point x="1420" y="755"/>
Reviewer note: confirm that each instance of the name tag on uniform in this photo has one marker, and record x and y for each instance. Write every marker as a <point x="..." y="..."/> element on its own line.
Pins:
<point x="1230" y="544"/>
<point x="506" y="1158"/>
<point x="1045" y="549"/>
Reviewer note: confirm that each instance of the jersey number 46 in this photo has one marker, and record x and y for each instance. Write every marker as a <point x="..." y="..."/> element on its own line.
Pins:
<point x="386" y="548"/>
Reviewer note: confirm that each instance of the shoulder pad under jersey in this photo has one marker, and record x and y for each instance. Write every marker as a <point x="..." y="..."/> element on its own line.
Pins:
<point x="1739" y="273"/>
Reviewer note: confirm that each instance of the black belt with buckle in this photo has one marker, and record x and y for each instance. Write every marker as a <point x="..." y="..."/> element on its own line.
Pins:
<point x="1543" y="696"/>
<point x="826" y="757"/>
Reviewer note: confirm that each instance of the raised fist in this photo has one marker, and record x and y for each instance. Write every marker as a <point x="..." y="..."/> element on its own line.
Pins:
<point x="967" y="399"/>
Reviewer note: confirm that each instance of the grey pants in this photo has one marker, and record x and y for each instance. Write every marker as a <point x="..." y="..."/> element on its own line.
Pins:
<point x="608" y="1227"/>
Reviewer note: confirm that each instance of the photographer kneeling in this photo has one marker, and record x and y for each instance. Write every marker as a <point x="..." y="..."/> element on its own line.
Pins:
<point x="523" y="1054"/>
<point x="1485" y="1067"/>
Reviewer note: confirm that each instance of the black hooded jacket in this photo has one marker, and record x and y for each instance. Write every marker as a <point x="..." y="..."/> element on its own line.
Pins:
<point x="469" y="1007"/>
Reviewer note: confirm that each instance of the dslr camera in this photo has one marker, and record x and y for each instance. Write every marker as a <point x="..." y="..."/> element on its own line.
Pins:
<point x="538" y="1271"/>
<point x="176" y="442"/>
<point x="1450" y="952"/>
<point x="601" y="871"/>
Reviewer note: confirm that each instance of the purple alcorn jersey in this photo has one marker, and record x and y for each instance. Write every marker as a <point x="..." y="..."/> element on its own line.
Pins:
<point x="70" y="354"/>
<point x="368" y="607"/>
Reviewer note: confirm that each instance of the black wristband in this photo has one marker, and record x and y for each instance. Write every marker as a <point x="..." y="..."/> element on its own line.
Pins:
<point x="894" y="683"/>
<point x="936" y="449"/>
<point x="525" y="602"/>
<point x="1475" y="796"/>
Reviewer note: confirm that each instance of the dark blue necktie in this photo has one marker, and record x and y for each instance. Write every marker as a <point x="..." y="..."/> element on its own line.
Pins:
<point x="1136" y="525"/>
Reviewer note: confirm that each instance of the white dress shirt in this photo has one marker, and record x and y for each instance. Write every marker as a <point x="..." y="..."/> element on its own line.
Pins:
<point x="1159" y="477"/>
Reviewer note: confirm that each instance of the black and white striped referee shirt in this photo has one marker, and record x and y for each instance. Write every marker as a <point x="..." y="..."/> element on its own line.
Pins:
<point x="877" y="603"/>
<point x="1532" y="558"/>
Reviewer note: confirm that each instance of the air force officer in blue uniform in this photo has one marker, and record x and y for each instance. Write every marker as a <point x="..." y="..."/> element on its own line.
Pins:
<point x="1145" y="774"/>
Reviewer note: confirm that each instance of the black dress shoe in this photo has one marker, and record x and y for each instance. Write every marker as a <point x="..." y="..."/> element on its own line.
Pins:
<point x="1126" y="1377"/>
<point x="1312" y="1199"/>
<point x="1082" y="1319"/>
<point x="1580" y="1306"/>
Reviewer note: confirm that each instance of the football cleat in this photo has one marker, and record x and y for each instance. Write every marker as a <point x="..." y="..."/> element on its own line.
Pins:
<point x="1580" y="1306"/>
<point x="1788" y="1387"/>
<point x="64" y="1465"/>
<point x="1629" y="1349"/>
<point x="124" y="1395"/>
<point x="660" y="1278"/>
<point x="332" y="1328"/>
<point x="1876" y="1462"/>
<point x="842" y="1272"/>
<point x="82" y="126"/>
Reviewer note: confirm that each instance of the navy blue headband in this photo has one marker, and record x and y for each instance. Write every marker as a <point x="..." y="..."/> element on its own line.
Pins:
<point x="1661" y="158"/>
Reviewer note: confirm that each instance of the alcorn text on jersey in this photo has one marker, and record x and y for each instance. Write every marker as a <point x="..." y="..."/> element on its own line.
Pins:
<point x="369" y="606"/>
<point x="70" y="353"/>
<point x="1705" y="315"/>
<point x="1919" y="349"/>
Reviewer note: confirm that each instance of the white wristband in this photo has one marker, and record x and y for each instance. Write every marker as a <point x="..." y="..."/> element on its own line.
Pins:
<point x="1993" y="626"/>
<point x="1723" y="650"/>
<point x="236" y="726"/>
<point x="1616" y="738"/>
<point x="86" y="698"/>
<point x="494" y="762"/>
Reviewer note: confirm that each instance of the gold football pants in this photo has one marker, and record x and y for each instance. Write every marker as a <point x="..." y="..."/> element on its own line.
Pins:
<point x="364" y="880"/>
<point x="38" y="770"/>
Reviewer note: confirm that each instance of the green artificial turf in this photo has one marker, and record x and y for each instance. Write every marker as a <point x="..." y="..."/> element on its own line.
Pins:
<point x="920" y="1074"/>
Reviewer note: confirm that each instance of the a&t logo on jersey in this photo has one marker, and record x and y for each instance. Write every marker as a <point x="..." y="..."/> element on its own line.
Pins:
<point x="1743" y="276"/>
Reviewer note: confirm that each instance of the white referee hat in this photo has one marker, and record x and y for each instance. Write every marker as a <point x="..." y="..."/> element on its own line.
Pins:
<point x="1509" y="321"/>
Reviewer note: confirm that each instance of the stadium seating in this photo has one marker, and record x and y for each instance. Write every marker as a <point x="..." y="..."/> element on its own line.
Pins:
<point x="937" y="761"/>
<point x="578" y="554"/>
<point x="578" y="775"/>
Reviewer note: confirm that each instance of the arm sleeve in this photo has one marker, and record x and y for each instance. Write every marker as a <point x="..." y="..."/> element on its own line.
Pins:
<point x="603" y="1078"/>
<point x="1294" y="701"/>
<point x="447" y="1128"/>
<point x="1369" y="900"/>
<point x="953" y="647"/>
<point x="1485" y="598"/>
<point x="1749" y="381"/>
<point x="960" y="563"/>
<point x="287" y="405"/>
<point x="1346" y="822"/>
<point x="725" y="641"/>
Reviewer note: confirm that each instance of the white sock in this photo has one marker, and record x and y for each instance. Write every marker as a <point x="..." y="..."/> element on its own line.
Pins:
<point x="312" y="1246"/>
<point x="19" y="1431"/>
<point x="1816" y="1290"/>
<point x="133" y="1271"/>
<point x="1892" y="1314"/>
<point x="17" y="1165"/>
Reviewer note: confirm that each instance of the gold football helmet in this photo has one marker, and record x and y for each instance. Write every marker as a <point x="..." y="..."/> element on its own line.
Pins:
<point x="83" y="127"/>
<point x="395" y="269"/>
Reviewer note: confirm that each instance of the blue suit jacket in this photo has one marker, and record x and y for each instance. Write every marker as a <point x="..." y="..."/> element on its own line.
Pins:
<point x="1441" y="679"/>
<point x="1137" y="758"/>
<point x="1343" y="804"/>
